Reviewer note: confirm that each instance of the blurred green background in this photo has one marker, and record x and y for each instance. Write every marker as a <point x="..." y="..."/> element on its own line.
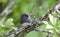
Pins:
<point x="35" y="8"/>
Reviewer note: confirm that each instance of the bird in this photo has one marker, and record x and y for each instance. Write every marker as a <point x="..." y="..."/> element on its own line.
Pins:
<point x="25" y="19"/>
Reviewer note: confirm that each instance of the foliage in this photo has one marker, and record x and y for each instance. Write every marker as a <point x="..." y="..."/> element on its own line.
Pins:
<point x="35" y="8"/>
<point x="4" y="1"/>
<point x="4" y="27"/>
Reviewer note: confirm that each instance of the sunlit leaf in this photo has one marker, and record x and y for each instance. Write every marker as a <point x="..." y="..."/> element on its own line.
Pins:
<point x="48" y="26"/>
<point x="33" y="34"/>
<point x="52" y="19"/>
<point x="9" y="23"/>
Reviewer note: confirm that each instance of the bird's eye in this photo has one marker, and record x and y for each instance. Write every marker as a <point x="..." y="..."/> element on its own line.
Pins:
<point x="26" y="15"/>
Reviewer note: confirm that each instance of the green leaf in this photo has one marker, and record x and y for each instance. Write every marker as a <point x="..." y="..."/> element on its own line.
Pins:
<point x="36" y="34"/>
<point x="52" y="19"/>
<point x="9" y="23"/>
<point x="48" y="26"/>
<point x="33" y="34"/>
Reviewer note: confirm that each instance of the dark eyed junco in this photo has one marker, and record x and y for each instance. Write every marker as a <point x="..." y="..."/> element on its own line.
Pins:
<point x="25" y="18"/>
